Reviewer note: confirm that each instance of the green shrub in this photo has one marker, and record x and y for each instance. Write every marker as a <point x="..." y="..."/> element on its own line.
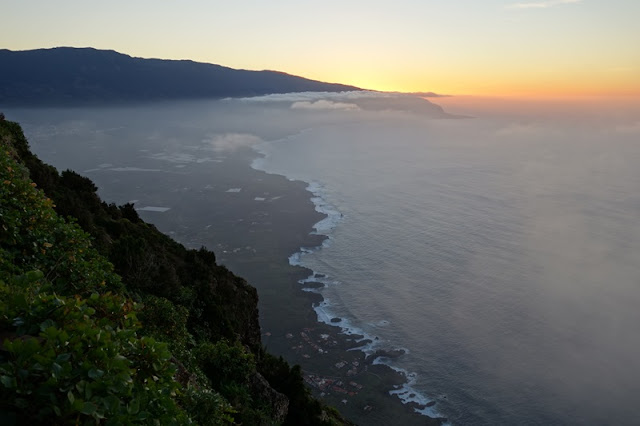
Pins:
<point x="207" y="407"/>
<point x="74" y="360"/>
<point x="225" y="363"/>
<point x="33" y="236"/>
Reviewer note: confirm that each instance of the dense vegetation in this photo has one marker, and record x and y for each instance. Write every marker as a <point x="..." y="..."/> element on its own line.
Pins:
<point x="89" y="293"/>
<point x="67" y="75"/>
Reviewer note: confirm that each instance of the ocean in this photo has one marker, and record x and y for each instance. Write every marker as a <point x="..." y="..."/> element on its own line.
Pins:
<point x="500" y="253"/>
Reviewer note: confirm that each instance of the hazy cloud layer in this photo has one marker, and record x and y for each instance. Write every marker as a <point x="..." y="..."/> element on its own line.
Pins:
<point x="518" y="129"/>
<point x="230" y="142"/>
<point x="355" y="101"/>
<point x="324" y="104"/>
<point x="630" y="128"/>
<point x="314" y="96"/>
<point x="541" y="4"/>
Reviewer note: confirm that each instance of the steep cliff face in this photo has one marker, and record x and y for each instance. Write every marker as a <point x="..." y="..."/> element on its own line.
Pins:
<point x="206" y="314"/>
<point x="72" y="350"/>
<point x="148" y="261"/>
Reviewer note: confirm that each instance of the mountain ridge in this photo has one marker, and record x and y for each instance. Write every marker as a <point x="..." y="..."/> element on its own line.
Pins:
<point x="69" y="75"/>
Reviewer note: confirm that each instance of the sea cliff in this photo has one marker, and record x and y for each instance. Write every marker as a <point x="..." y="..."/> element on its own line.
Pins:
<point x="105" y="319"/>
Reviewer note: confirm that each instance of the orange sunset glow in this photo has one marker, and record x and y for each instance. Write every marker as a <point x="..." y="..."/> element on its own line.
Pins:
<point x="496" y="47"/>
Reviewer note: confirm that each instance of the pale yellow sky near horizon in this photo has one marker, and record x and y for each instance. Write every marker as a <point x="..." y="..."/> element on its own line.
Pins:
<point x="491" y="47"/>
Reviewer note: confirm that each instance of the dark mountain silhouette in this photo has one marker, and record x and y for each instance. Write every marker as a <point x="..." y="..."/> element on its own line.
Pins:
<point x="66" y="75"/>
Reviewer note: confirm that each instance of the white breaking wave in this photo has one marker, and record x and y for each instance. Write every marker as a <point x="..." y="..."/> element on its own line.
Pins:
<point x="324" y="310"/>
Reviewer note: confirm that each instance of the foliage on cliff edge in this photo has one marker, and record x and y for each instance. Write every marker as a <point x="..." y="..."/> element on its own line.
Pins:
<point x="82" y="335"/>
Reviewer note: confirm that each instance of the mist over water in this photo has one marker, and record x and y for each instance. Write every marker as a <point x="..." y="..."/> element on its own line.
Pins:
<point x="500" y="251"/>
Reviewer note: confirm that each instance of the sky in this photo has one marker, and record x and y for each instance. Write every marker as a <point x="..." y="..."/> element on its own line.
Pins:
<point x="458" y="47"/>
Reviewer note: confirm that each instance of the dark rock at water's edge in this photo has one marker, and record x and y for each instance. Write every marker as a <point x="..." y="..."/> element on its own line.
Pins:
<point x="385" y="353"/>
<point x="314" y="298"/>
<point x="67" y="76"/>
<point x="336" y="319"/>
<point x="313" y="284"/>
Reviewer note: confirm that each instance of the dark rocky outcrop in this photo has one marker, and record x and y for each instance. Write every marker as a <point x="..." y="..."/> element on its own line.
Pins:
<point x="385" y="353"/>
<point x="278" y="403"/>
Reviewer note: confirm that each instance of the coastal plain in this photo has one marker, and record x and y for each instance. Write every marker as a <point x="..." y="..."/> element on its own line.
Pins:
<point x="255" y="238"/>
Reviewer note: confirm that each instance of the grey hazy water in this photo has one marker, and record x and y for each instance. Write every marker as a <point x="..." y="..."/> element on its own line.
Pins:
<point x="502" y="253"/>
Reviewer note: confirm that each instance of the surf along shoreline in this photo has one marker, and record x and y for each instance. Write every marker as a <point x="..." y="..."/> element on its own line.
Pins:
<point x="338" y="361"/>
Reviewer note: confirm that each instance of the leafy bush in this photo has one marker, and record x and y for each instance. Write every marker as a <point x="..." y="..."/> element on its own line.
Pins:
<point x="207" y="408"/>
<point x="74" y="360"/>
<point x="225" y="363"/>
<point x="33" y="236"/>
<point x="71" y="352"/>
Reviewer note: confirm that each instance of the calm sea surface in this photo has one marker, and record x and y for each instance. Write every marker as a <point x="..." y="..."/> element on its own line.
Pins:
<point x="502" y="253"/>
<point x="504" y="256"/>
